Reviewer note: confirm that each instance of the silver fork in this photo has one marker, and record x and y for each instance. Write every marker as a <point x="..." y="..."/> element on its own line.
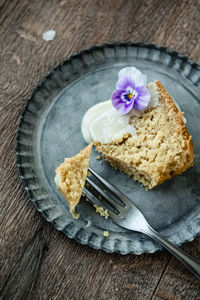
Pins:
<point x="127" y="215"/>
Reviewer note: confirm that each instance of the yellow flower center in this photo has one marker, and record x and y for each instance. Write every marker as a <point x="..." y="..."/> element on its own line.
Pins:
<point x="130" y="96"/>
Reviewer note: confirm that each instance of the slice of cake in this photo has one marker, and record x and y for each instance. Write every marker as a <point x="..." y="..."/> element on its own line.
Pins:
<point x="161" y="148"/>
<point x="71" y="175"/>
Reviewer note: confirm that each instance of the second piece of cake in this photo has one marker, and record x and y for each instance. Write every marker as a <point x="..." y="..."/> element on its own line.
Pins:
<point x="70" y="177"/>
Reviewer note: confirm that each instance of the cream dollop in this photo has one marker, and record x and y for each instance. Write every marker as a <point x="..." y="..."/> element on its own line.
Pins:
<point x="103" y="123"/>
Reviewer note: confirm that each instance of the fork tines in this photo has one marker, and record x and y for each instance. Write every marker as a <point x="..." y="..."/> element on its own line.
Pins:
<point x="118" y="208"/>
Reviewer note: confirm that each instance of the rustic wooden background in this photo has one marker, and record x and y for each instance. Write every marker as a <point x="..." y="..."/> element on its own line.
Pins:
<point x="36" y="260"/>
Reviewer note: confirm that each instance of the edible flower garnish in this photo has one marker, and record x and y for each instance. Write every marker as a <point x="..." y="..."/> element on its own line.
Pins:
<point x="131" y="91"/>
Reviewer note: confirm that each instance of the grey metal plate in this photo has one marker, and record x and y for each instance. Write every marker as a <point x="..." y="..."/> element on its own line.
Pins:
<point x="49" y="131"/>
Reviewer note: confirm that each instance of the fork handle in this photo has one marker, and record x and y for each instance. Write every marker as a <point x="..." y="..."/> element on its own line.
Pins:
<point x="192" y="264"/>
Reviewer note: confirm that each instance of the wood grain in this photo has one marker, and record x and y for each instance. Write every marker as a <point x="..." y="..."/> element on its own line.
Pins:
<point x="69" y="270"/>
<point x="21" y="280"/>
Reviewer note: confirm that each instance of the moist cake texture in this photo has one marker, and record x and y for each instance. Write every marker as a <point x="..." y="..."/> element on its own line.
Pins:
<point x="71" y="176"/>
<point x="162" y="149"/>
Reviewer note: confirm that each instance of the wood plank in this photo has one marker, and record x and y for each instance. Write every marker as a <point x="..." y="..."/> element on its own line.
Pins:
<point x="69" y="270"/>
<point x="21" y="280"/>
<point x="79" y="271"/>
<point x="177" y="282"/>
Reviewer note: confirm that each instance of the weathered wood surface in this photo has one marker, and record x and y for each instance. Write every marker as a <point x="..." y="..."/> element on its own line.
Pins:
<point x="69" y="270"/>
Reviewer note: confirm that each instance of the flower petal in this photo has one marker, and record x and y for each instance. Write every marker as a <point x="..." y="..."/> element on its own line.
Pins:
<point x="124" y="82"/>
<point x="140" y="80"/>
<point x="127" y="107"/>
<point x="135" y="74"/>
<point x="129" y="71"/>
<point x="121" y="106"/>
<point x="116" y="98"/>
<point x="143" y="98"/>
<point x="116" y="95"/>
<point x="144" y="79"/>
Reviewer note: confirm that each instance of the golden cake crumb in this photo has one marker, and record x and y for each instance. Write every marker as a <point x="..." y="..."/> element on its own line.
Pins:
<point x="106" y="233"/>
<point x="89" y="173"/>
<point x="103" y="212"/>
<point x="75" y="215"/>
<point x="89" y="186"/>
<point x="98" y="157"/>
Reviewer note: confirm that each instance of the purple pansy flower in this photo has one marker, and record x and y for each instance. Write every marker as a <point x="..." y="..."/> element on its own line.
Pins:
<point x="131" y="91"/>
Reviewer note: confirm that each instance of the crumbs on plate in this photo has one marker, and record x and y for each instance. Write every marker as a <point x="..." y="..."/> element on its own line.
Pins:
<point x="98" y="157"/>
<point x="106" y="233"/>
<point x="103" y="212"/>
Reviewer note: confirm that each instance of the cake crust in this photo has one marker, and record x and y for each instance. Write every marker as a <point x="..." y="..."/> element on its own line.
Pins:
<point x="182" y="130"/>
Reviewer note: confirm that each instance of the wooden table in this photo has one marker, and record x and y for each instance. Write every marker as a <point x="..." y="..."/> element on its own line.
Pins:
<point x="36" y="260"/>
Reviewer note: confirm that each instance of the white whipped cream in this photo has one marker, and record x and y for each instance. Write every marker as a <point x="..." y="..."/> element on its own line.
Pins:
<point x="103" y="123"/>
<point x="57" y="180"/>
